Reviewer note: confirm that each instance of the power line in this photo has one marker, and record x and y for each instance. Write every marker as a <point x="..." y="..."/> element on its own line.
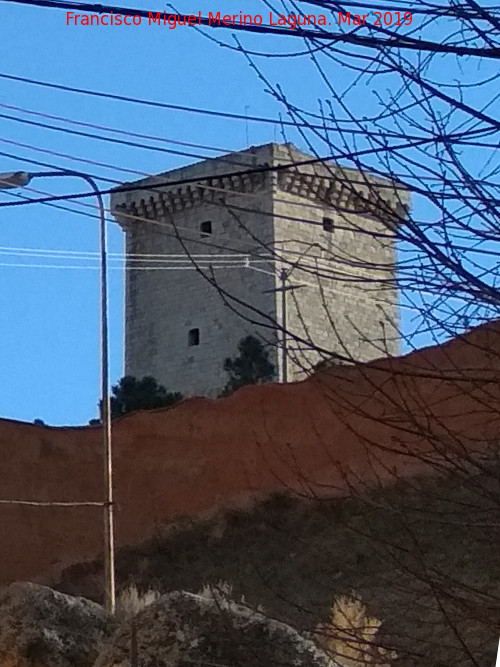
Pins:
<point x="52" y="503"/>
<point x="108" y="139"/>
<point x="393" y="42"/>
<point x="161" y="227"/>
<point x="324" y="126"/>
<point x="201" y="261"/>
<point x="308" y="205"/>
<point x="91" y="254"/>
<point x="197" y="267"/>
<point x="123" y="142"/>
<point x="66" y="120"/>
<point x="259" y="169"/>
<point x="143" y="174"/>
<point x="190" y="230"/>
<point x="176" y="260"/>
<point x="115" y="130"/>
<point x="445" y="11"/>
<point x="73" y="158"/>
<point x="163" y="230"/>
<point x="211" y="243"/>
<point x="210" y="260"/>
<point x="160" y="105"/>
<point x="209" y="265"/>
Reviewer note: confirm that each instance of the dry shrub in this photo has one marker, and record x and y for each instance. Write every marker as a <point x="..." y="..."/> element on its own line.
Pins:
<point x="130" y="601"/>
<point x="222" y="594"/>
<point x="350" y="635"/>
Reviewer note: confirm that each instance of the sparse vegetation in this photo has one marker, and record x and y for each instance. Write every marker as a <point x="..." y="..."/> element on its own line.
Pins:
<point x="325" y="363"/>
<point x="131" y="601"/>
<point x="295" y="556"/>
<point x="131" y="394"/>
<point x="350" y="635"/>
<point x="250" y="366"/>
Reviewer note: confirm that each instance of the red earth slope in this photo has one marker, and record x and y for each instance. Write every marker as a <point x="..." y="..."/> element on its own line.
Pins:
<point x="365" y="422"/>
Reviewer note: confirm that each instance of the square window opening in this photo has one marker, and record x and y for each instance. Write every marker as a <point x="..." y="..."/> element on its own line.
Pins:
<point x="206" y="228"/>
<point x="193" y="337"/>
<point x="328" y="225"/>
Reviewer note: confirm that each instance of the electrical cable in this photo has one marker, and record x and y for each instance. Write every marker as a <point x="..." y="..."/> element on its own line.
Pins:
<point x="191" y="231"/>
<point x="155" y="148"/>
<point x="107" y="128"/>
<point x="143" y="174"/>
<point x="123" y="142"/>
<point x="161" y="105"/>
<point x="255" y="257"/>
<point x="403" y="42"/>
<point x="208" y="244"/>
<point x="96" y="255"/>
<point x="182" y="181"/>
<point x="337" y="128"/>
<point x="209" y="265"/>
<point x="308" y="221"/>
<point x="198" y="179"/>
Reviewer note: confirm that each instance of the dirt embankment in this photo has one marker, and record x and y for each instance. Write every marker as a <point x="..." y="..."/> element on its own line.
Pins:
<point x="203" y="454"/>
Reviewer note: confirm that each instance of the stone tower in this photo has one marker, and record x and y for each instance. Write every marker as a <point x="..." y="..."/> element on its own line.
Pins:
<point x="243" y="243"/>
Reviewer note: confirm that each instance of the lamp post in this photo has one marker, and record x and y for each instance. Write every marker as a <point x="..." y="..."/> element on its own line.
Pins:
<point x="19" y="179"/>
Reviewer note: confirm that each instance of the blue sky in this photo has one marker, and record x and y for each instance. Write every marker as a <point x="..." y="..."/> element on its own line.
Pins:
<point x="50" y="316"/>
<point x="50" y="324"/>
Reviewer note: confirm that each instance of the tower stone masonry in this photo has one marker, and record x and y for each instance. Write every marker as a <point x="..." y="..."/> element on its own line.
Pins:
<point x="247" y="242"/>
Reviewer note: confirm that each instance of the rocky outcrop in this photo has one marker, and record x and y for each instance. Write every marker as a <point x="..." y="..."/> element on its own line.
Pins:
<point x="40" y="627"/>
<point x="183" y="629"/>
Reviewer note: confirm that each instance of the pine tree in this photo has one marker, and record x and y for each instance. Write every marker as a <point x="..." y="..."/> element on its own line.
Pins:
<point x="251" y="366"/>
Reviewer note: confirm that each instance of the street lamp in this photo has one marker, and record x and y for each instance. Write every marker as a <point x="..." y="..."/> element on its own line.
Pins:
<point x="19" y="179"/>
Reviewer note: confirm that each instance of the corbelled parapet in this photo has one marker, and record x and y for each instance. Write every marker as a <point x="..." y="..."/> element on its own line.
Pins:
<point x="276" y="167"/>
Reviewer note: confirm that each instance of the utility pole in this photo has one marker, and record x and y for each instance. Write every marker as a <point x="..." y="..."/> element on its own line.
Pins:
<point x="283" y="288"/>
<point x="284" y="342"/>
